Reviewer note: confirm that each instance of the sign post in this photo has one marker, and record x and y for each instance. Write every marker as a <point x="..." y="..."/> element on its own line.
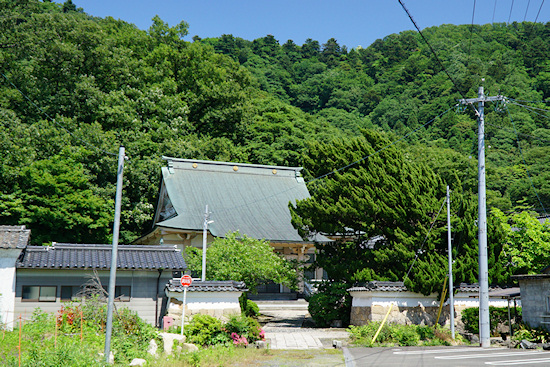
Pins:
<point x="185" y="281"/>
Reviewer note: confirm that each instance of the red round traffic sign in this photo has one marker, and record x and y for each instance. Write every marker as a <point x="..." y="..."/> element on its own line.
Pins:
<point x="186" y="280"/>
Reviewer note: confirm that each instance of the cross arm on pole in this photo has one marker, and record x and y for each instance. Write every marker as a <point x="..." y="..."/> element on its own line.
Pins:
<point x="482" y="99"/>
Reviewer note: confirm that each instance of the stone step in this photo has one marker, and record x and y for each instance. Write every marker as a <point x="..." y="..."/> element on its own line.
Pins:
<point x="299" y="305"/>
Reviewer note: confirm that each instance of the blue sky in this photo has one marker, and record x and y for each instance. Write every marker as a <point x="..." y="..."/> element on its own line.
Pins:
<point x="352" y="22"/>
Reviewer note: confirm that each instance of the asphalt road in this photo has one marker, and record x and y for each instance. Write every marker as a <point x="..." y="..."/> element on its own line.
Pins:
<point x="444" y="357"/>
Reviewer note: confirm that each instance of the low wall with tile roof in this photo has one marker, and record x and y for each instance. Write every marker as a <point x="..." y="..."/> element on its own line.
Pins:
<point x="215" y="298"/>
<point x="408" y="307"/>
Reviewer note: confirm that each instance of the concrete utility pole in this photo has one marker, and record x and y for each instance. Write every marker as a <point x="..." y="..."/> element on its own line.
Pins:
<point x="204" y="236"/>
<point x="112" y="276"/>
<point x="484" y="327"/>
<point x="449" y="249"/>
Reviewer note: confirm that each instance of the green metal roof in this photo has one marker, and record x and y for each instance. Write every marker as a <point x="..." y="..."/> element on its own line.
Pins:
<point x="251" y="199"/>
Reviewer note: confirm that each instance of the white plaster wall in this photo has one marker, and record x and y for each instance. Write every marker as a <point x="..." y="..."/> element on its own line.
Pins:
<point x="206" y="300"/>
<point x="410" y="299"/>
<point x="8" y="258"/>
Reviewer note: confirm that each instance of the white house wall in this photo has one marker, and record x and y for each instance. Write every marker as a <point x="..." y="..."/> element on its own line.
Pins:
<point x="8" y="257"/>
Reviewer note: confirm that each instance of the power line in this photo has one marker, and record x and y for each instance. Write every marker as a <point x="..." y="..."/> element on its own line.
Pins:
<point x="526" y="10"/>
<point x="379" y="150"/>
<point x="425" y="239"/>
<point x="518" y="133"/>
<point x="510" y="15"/>
<point x="524" y="101"/>
<point x="540" y="8"/>
<point x="55" y="122"/>
<point x="494" y="11"/>
<point x="532" y="109"/>
<point x="341" y="168"/>
<point x="431" y="48"/>
<point x="471" y="32"/>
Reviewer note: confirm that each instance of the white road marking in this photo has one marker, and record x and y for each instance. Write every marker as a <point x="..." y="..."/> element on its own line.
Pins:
<point x="519" y="361"/>
<point x="442" y="351"/>
<point x="489" y="355"/>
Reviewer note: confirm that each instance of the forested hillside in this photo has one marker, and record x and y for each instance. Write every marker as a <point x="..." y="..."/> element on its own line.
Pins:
<point x="74" y="87"/>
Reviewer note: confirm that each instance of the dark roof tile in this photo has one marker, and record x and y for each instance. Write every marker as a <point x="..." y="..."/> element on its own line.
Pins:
<point x="207" y="286"/>
<point x="76" y="256"/>
<point x="16" y="237"/>
<point x="378" y="286"/>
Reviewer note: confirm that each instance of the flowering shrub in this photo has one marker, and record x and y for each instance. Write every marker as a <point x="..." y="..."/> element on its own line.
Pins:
<point x="68" y="318"/>
<point x="207" y="330"/>
<point x="246" y="327"/>
<point x="239" y="340"/>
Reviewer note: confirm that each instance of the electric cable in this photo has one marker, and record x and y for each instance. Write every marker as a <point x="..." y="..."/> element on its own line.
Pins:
<point x="524" y="101"/>
<point x="518" y="133"/>
<point x="471" y="32"/>
<point x="526" y="10"/>
<point x="540" y="8"/>
<point x="510" y="15"/>
<point x="381" y="149"/>
<point x="424" y="242"/>
<point x="532" y="109"/>
<point x="494" y="11"/>
<point x="431" y="49"/>
<point x="55" y="122"/>
<point x="341" y="168"/>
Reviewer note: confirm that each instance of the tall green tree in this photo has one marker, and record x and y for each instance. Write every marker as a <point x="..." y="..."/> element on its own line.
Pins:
<point x="527" y="247"/>
<point x="242" y="258"/>
<point x="381" y="207"/>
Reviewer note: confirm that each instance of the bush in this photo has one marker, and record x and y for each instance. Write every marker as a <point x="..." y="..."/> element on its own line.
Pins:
<point x="534" y="335"/>
<point x="239" y="327"/>
<point x="399" y="335"/>
<point x="497" y="315"/>
<point x="248" y="307"/>
<point x="205" y="330"/>
<point x="55" y="340"/>
<point x="331" y="302"/>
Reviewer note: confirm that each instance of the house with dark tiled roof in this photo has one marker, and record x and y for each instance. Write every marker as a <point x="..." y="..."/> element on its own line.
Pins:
<point x="47" y="276"/>
<point x="249" y="198"/>
<point x="13" y="239"/>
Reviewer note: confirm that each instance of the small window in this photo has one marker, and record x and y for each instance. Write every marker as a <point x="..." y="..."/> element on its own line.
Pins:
<point x="69" y="292"/>
<point x="37" y="293"/>
<point x="122" y="293"/>
<point x="547" y="304"/>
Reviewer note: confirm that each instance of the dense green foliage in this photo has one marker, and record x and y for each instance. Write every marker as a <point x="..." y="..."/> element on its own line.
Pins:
<point x="75" y="87"/>
<point x="248" y="307"/>
<point x="498" y="316"/>
<point x="242" y="259"/>
<point x="399" y="335"/>
<point x="527" y="242"/>
<point x="93" y="84"/>
<point x="380" y="211"/>
<point x="207" y="330"/>
<point x="332" y="302"/>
